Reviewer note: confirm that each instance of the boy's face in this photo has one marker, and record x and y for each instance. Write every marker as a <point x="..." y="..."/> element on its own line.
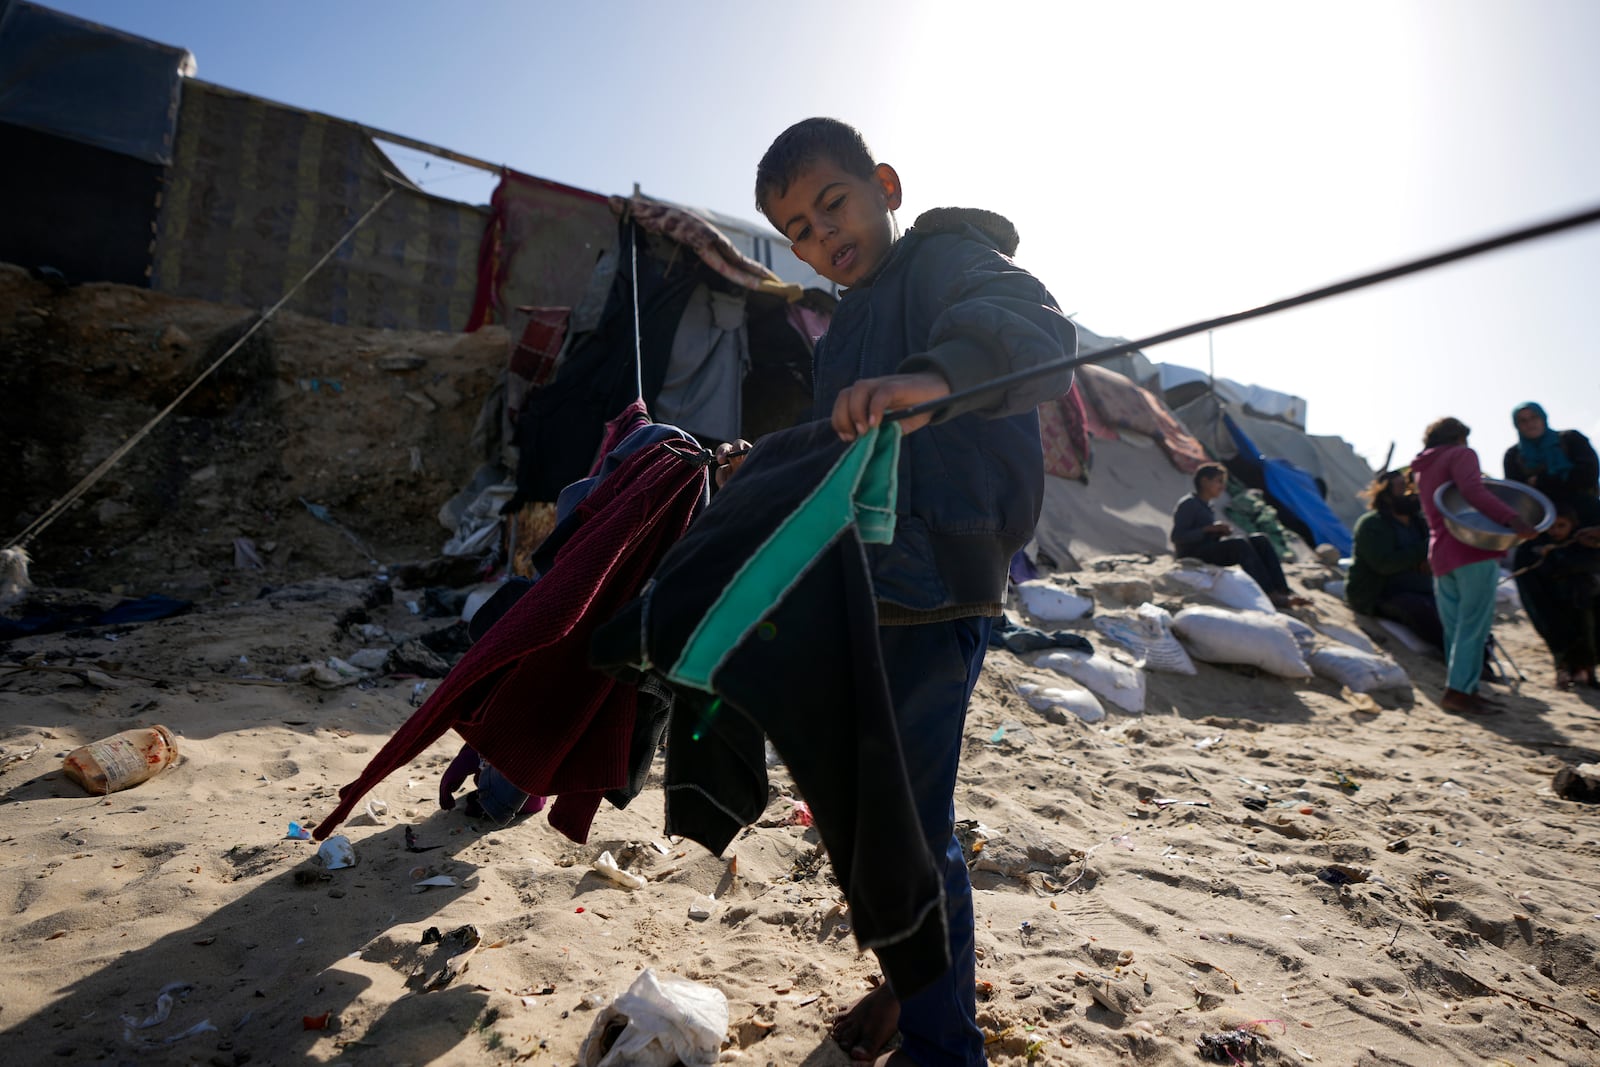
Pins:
<point x="837" y="223"/>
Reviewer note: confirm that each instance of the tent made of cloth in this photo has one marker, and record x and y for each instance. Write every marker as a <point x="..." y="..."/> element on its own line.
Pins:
<point x="1328" y="458"/>
<point x="1124" y="506"/>
<point x="1292" y="490"/>
<point x="1123" y="405"/>
<point x="1179" y="385"/>
<point x="87" y="115"/>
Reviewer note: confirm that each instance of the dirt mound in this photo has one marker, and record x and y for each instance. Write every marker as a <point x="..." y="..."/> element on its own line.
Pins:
<point x="374" y="425"/>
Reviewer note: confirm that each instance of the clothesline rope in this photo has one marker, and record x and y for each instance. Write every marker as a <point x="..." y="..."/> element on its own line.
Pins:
<point x="1527" y="233"/>
<point x="72" y="496"/>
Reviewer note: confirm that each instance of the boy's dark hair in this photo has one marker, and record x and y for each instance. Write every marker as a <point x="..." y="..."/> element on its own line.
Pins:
<point x="805" y="143"/>
<point x="1208" y="470"/>
<point x="1446" y="431"/>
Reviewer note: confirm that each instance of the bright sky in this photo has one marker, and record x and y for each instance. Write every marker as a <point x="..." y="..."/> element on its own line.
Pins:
<point x="1164" y="162"/>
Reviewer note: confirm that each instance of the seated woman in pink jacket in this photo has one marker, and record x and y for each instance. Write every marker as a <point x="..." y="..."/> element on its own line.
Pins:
<point x="1464" y="577"/>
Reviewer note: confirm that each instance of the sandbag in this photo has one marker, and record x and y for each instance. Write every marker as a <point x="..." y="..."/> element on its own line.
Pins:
<point x="1120" y="683"/>
<point x="1354" y="638"/>
<point x="1079" y="702"/>
<point x="1226" y="585"/>
<point x="1148" y="635"/>
<point x="1251" y="638"/>
<point x="1361" y="672"/>
<point x="1045" y="600"/>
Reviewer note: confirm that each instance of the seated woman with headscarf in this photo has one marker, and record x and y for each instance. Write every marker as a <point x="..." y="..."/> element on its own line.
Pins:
<point x="1554" y="572"/>
<point x="1389" y="575"/>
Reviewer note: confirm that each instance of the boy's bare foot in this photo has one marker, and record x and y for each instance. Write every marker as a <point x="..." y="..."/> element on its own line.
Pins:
<point x="867" y="1027"/>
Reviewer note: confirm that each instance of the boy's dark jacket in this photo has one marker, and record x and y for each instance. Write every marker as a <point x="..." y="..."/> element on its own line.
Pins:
<point x="948" y="299"/>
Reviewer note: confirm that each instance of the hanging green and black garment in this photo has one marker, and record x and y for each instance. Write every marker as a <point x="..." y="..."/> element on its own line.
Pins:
<point x="763" y="617"/>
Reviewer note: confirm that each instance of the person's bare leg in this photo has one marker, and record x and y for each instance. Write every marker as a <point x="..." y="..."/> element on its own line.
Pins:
<point x="867" y="1026"/>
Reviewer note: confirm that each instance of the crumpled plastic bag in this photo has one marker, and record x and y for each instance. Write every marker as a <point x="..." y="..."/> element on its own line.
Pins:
<point x="669" y="1019"/>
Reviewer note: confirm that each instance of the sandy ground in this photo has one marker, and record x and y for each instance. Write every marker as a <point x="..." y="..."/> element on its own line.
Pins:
<point x="1471" y="939"/>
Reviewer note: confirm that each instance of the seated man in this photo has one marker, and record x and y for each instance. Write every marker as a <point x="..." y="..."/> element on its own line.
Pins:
<point x="1197" y="533"/>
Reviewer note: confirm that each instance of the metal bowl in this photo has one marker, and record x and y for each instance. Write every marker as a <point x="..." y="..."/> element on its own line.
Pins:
<point x="1470" y="526"/>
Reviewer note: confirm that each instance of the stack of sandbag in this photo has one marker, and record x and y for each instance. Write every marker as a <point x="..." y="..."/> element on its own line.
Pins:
<point x="1051" y="603"/>
<point x="1080" y="702"/>
<point x="1148" y="635"/>
<point x="1247" y="638"/>
<point x="1230" y="586"/>
<point x="1120" y="683"/>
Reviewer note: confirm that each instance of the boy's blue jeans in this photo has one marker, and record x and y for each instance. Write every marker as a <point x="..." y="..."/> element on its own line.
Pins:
<point x="932" y="669"/>
<point x="1466" y="608"/>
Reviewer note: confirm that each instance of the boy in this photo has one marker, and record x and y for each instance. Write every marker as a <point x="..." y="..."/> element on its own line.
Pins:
<point x="923" y="316"/>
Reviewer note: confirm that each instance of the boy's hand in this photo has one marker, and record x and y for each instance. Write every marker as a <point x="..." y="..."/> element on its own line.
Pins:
<point x="862" y="405"/>
<point x="730" y="457"/>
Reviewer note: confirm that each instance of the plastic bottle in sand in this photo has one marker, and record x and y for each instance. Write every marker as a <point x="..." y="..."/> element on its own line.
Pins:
<point x="123" y="760"/>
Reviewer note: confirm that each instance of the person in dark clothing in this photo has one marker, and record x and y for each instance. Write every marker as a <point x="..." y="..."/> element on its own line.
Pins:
<point x="1560" y="464"/>
<point x="1560" y="590"/>
<point x="1550" y="577"/>
<point x="925" y="315"/>
<point x="1197" y="533"/>
<point x="1389" y="575"/>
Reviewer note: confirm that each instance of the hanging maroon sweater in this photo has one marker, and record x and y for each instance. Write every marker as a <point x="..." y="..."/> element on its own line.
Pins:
<point x="524" y="695"/>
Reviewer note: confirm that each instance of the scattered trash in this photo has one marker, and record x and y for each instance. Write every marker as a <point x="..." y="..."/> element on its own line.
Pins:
<point x="8" y="758"/>
<point x="799" y="814"/>
<point x="419" y="692"/>
<point x="608" y="867"/>
<point x="336" y="853"/>
<point x="1207" y="742"/>
<point x="702" y="908"/>
<point x="463" y="936"/>
<point x="297" y="832"/>
<point x="376" y="810"/>
<point x="1580" y="783"/>
<point x="123" y="760"/>
<point x="1229" y="1046"/>
<point x="1173" y="802"/>
<point x="998" y="735"/>
<point x="1339" y="875"/>
<point x="1345" y="782"/>
<point x="316" y="1022"/>
<point x="245" y="556"/>
<point x="438" y="881"/>
<point x="1254" y="803"/>
<point x="1454" y="790"/>
<point x="661" y="1020"/>
<point x="1399" y="845"/>
<point x="411" y="842"/>
<point x="163" y="1007"/>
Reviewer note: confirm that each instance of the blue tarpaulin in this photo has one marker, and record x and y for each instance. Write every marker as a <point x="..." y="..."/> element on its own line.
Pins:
<point x="1292" y="489"/>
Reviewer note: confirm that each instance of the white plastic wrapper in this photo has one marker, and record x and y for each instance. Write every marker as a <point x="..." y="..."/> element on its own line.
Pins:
<point x="669" y="1020"/>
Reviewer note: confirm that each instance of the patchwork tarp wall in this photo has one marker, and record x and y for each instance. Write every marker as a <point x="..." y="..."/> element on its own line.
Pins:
<point x="257" y="192"/>
<point x="1329" y="458"/>
<point x="1290" y="489"/>
<point x="86" y="122"/>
